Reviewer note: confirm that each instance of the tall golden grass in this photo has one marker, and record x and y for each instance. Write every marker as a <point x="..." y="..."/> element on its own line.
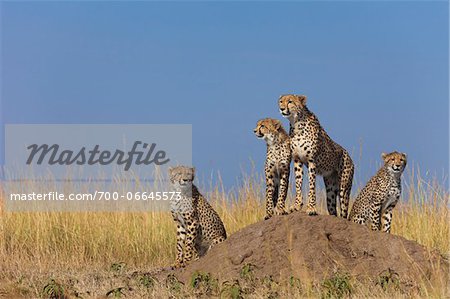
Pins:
<point x="36" y="244"/>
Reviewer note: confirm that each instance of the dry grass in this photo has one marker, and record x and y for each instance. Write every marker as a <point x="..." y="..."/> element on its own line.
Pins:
<point x="89" y="251"/>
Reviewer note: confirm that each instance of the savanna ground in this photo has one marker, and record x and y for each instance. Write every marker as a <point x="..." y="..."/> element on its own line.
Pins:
<point x="82" y="255"/>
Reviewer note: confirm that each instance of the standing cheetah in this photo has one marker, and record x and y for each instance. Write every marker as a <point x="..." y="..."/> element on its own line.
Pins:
<point x="381" y="194"/>
<point x="311" y="145"/>
<point x="277" y="165"/>
<point x="199" y="227"/>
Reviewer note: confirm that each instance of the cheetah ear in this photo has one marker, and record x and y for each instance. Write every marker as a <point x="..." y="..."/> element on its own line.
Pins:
<point x="302" y="99"/>
<point x="405" y="155"/>
<point x="383" y="155"/>
<point x="170" y="170"/>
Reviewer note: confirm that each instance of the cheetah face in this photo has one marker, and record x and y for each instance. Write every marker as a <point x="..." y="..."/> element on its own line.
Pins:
<point x="181" y="177"/>
<point x="291" y="104"/>
<point x="267" y="129"/>
<point x="395" y="162"/>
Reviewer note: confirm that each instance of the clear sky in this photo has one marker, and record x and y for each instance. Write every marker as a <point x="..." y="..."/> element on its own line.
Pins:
<point x="375" y="73"/>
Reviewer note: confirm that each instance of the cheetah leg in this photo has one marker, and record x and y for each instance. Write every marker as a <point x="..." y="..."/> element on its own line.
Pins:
<point x="275" y="194"/>
<point x="386" y="221"/>
<point x="181" y="237"/>
<point x="298" y="170"/>
<point x="271" y="192"/>
<point x="374" y="214"/>
<point x="282" y="192"/>
<point x="192" y="231"/>
<point x="386" y="218"/>
<point x="311" y="209"/>
<point x="332" y="187"/>
<point x="346" y="184"/>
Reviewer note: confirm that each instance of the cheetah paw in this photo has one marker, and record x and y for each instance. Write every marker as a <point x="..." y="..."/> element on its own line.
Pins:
<point x="295" y="208"/>
<point x="280" y="211"/>
<point x="267" y="217"/>
<point x="311" y="211"/>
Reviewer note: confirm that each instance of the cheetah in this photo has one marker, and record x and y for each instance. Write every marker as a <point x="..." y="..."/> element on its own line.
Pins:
<point x="199" y="227"/>
<point x="311" y="145"/>
<point x="277" y="166"/>
<point x="378" y="198"/>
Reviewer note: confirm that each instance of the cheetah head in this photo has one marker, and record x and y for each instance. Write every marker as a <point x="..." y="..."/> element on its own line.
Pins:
<point x="395" y="162"/>
<point x="268" y="129"/>
<point x="181" y="177"/>
<point x="291" y="104"/>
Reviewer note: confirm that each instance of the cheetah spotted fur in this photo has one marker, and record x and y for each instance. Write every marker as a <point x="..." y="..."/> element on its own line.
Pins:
<point x="311" y="145"/>
<point x="199" y="227"/>
<point x="277" y="166"/>
<point x="378" y="198"/>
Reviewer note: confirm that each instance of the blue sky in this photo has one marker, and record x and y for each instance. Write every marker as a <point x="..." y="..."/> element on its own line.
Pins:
<point x="375" y="73"/>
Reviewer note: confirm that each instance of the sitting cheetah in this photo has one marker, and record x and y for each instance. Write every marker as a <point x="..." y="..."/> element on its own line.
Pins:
<point x="381" y="194"/>
<point x="277" y="165"/>
<point x="311" y="145"/>
<point x="199" y="227"/>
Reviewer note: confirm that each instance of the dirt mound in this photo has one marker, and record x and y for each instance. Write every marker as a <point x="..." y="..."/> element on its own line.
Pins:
<point x="313" y="248"/>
